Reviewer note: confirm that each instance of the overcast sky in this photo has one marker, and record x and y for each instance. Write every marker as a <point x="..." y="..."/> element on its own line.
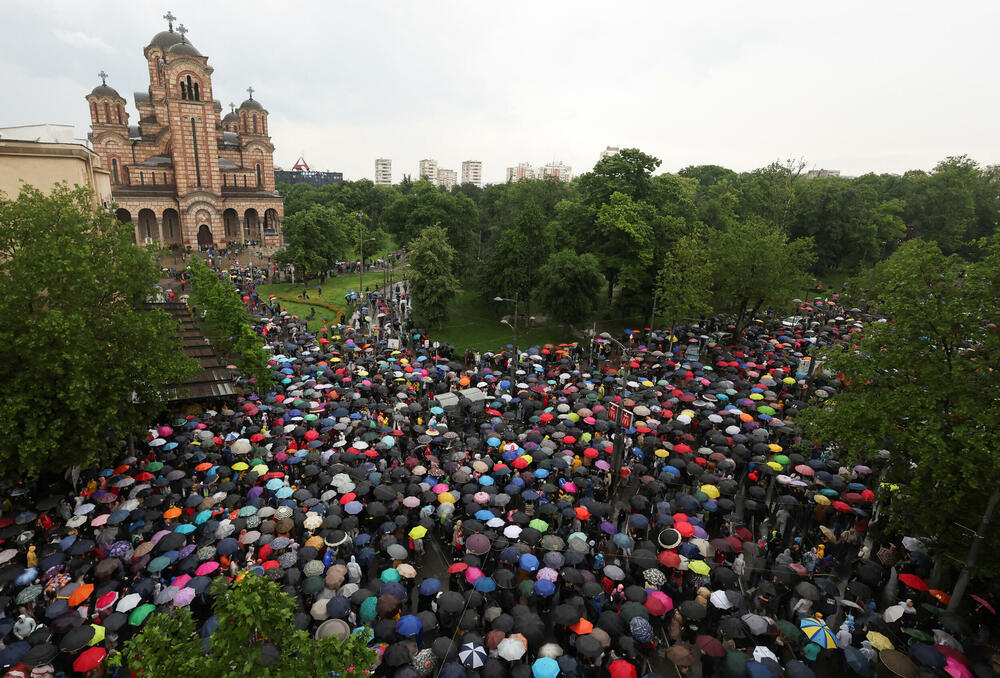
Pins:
<point x="857" y="86"/>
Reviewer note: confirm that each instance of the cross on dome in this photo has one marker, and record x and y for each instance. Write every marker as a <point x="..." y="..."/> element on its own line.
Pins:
<point x="170" y="20"/>
<point x="232" y="106"/>
<point x="103" y="76"/>
<point x="250" y="90"/>
<point x="183" y="31"/>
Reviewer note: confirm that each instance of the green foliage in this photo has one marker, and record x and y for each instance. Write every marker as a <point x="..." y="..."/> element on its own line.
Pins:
<point x="83" y="364"/>
<point x="425" y="206"/>
<point x="922" y="386"/>
<point x="317" y="237"/>
<point x="629" y="172"/>
<point x="256" y="621"/>
<point x="226" y="323"/>
<point x="432" y="281"/>
<point x="568" y="286"/>
<point x="756" y="266"/>
<point x="684" y="283"/>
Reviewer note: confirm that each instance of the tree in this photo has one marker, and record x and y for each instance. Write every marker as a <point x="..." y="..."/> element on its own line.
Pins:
<point x="630" y="172"/>
<point x="255" y="636"/>
<point x="684" y="283"/>
<point x="84" y="363"/>
<point x="568" y="285"/>
<point x="226" y="323"/>
<point x="516" y="256"/>
<point x="432" y="283"/>
<point x="426" y="206"/>
<point x="921" y="386"/>
<point x="756" y="266"/>
<point x="626" y="242"/>
<point x="317" y="237"/>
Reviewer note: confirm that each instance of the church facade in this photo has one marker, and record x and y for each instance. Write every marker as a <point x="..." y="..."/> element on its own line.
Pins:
<point x="184" y="174"/>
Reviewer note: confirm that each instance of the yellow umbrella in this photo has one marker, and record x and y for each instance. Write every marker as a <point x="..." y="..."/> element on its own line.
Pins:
<point x="879" y="642"/>
<point x="756" y="396"/>
<point x="775" y="448"/>
<point x="647" y="383"/>
<point x="821" y="499"/>
<point x="775" y="465"/>
<point x="98" y="634"/>
<point x="788" y="380"/>
<point x="711" y="490"/>
<point x="240" y="466"/>
<point x="419" y="531"/>
<point x="446" y="498"/>
<point x="260" y="469"/>
<point x="699" y="567"/>
<point x="662" y="453"/>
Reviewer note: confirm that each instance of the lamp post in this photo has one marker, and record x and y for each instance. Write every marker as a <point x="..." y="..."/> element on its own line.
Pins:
<point x="517" y="354"/>
<point x="618" y="449"/>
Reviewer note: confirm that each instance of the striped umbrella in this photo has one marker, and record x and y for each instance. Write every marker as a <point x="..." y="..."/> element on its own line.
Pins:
<point x="472" y="655"/>
<point x="818" y="632"/>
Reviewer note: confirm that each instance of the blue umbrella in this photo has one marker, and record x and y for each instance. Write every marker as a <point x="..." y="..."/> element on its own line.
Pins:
<point x="485" y="585"/>
<point x="758" y="670"/>
<point x="544" y="587"/>
<point x="430" y="586"/>
<point x="641" y="630"/>
<point x="409" y="626"/>
<point x="545" y="667"/>
<point x="484" y="515"/>
<point x="528" y="562"/>
<point x="353" y="507"/>
<point x="493" y="441"/>
<point x="12" y="653"/>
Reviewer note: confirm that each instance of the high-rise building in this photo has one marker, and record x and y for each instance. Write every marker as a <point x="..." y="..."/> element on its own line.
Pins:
<point x="383" y="172"/>
<point x="472" y="172"/>
<point x="429" y="170"/>
<point x="447" y="178"/>
<point x="186" y="174"/>
<point x="523" y="170"/>
<point x="555" y="170"/>
<point x="609" y="151"/>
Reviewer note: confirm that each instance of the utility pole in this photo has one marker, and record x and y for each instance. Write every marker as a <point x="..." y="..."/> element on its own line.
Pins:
<point x="962" y="582"/>
<point x="361" y="254"/>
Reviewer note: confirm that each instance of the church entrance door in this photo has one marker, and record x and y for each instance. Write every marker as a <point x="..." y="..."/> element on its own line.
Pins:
<point x="204" y="236"/>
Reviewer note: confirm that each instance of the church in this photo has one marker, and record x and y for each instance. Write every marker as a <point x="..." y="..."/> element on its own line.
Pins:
<point x="185" y="175"/>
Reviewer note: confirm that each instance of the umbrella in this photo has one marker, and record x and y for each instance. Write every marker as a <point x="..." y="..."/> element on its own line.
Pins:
<point x="545" y="667"/>
<point x="89" y="660"/>
<point x="818" y="632"/>
<point x="511" y="649"/>
<point x="472" y="655"/>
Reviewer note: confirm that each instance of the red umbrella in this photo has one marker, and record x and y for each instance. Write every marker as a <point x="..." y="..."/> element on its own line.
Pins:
<point x="685" y="529"/>
<point x="621" y="669"/>
<point x="842" y="507"/>
<point x="669" y="558"/>
<point x="913" y="581"/>
<point x="457" y="567"/>
<point x="710" y="646"/>
<point x="90" y="660"/>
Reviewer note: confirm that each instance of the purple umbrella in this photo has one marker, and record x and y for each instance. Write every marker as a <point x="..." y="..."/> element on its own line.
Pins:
<point x="184" y="597"/>
<point x="608" y="527"/>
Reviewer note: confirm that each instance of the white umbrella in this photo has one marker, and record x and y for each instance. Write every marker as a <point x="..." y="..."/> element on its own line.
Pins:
<point x="128" y="603"/>
<point x="511" y="649"/>
<point x="720" y="600"/>
<point x="893" y="613"/>
<point x="473" y="656"/>
<point x="241" y="446"/>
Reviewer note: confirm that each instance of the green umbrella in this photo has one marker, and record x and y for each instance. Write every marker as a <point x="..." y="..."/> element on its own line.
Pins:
<point x="368" y="608"/>
<point x="735" y="664"/>
<point x="539" y="524"/>
<point x="766" y="409"/>
<point x="633" y="609"/>
<point x="701" y="497"/>
<point x="390" y="574"/>
<point x="158" y="563"/>
<point x="140" y="613"/>
<point x="527" y="588"/>
<point x="829" y="492"/>
<point x="154" y="466"/>
<point x="782" y="459"/>
<point x="919" y="635"/>
<point x="790" y="630"/>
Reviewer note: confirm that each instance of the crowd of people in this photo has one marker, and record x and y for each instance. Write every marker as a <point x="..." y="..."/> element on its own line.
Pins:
<point x="488" y="517"/>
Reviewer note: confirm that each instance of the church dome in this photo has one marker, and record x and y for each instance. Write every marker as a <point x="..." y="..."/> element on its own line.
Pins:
<point x="165" y="39"/>
<point x="231" y="117"/>
<point x="184" y="48"/>
<point x="252" y="104"/>
<point x="105" y="91"/>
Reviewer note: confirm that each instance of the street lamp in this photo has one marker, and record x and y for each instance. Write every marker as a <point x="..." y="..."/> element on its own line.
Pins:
<point x="513" y="327"/>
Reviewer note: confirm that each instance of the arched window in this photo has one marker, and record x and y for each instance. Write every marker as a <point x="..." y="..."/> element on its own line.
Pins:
<point x="260" y="181"/>
<point x="119" y="113"/>
<point x="114" y="169"/>
<point x="184" y="91"/>
<point x="93" y="111"/>
<point x="197" y="94"/>
<point x="107" y="113"/>
<point x="245" y="126"/>
<point x="263" y="124"/>
<point x="255" y="124"/>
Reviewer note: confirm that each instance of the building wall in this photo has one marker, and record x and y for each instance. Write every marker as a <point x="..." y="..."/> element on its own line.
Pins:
<point x="428" y="169"/>
<point x="43" y="165"/>
<point x="383" y="172"/>
<point x="472" y="172"/>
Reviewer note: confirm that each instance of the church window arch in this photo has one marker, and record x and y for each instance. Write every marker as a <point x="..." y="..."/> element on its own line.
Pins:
<point x="245" y="126"/>
<point x="114" y="169"/>
<point x="184" y="90"/>
<point x="93" y="111"/>
<point x="197" y="94"/>
<point x="254" y="118"/>
<point x="118" y="112"/>
<point x="107" y="113"/>
<point x="260" y="179"/>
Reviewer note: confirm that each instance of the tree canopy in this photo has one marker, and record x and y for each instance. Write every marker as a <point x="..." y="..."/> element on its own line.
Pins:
<point x="432" y="281"/>
<point x="569" y="285"/>
<point x="317" y="237"/>
<point x="83" y="359"/>
<point x="254" y="635"/>
<point x="921" y="387"/>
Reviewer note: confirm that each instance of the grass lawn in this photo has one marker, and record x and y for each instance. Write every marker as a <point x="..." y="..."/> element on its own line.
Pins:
<point x="475" y="324"/>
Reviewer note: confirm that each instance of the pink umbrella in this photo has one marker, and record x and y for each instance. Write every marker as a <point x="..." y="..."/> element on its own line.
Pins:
<point x="957" y="669"/>
<point x="570" y="487"/>
<point x="100" y="520"/>
<point x="547" y="573"/>
<point x="804" y="470"/>
<point x="666" y="600"/>
<point x="184" y="597"/>
<point x="165" y="431"/>
<point x="983" y="603"/>
<point x="206" y="568"/>
<point x="181" y="581"/>
<point x="411" y="502"/>
<point x="481" y="498"/>
<point x="439" y="488"/>
<point x="472" y="574"/>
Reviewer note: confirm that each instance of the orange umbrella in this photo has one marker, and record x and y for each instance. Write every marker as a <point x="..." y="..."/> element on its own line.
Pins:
<point x="81" y="594"/>
<point x="942" y="596"/>
<point x="171" y="513"/>
<point x="582" y="627"/>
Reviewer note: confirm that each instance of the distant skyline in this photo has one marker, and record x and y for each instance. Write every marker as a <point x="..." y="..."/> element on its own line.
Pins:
<point x="851" y="86"/>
